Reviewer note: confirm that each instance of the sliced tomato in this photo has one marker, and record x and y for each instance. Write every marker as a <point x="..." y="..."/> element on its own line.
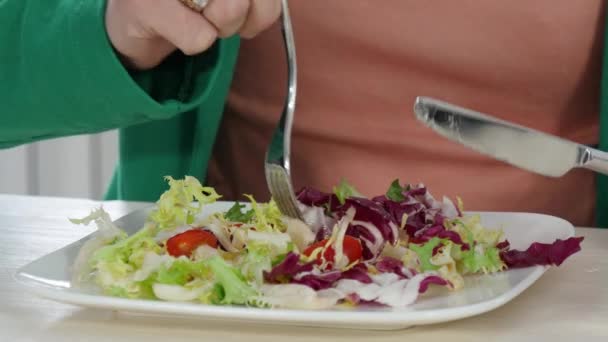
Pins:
<point x="185" y="243"/>
<point x="351" y="248"/>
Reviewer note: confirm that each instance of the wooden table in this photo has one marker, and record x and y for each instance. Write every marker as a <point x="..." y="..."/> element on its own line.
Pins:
<point x="569" y="303"/>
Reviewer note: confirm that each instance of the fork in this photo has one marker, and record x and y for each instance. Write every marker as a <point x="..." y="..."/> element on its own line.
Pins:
<point x="277" y="165"/>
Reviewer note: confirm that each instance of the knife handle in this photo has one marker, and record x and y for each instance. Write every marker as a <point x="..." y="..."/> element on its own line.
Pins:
<point x="595" y="160"/>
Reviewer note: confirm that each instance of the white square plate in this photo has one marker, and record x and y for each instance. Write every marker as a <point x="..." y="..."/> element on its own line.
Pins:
<point x="50" y="277"/>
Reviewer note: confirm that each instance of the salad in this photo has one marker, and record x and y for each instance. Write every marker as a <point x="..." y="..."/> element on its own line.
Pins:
<point x="350" y="251"/>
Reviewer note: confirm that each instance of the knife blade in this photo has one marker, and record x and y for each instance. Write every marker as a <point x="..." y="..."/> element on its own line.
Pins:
<point x="516" y="145"/>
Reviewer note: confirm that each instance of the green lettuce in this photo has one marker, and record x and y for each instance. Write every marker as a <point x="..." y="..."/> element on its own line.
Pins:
<point x="425" y="253"/>
<point x="472" y="231"/>
<point x="231" y="287"/>
<point x="480" y="259"/>
<point x="257" y="260"/>
<point x="236" y="214"/>
<point x="115" y="264"/>
<point x="344" y="190"/>
<point x="482" y="256"/>
<point x="180" y="204"/>
<point x="395" y="191"/>
<point x="181" y="272"/>
<point x="267" y="216"/>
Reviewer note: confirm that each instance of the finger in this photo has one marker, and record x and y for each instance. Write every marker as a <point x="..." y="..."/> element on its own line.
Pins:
<point x="147" y="55"/>
<point x="186" y="29"/>
<point x="129" y="39"/>
<point x="227" y="15"/>
<point x="262" y="14"/>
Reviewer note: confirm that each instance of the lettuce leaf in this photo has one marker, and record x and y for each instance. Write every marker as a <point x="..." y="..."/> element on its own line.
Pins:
<point x="445" y="258"/>
<point x="180" y="204"/>
<point x="287" y="269"/>
<point x="267" y="216"/>
<point x="175" y="277"/>
<point x="258" y="260"/>
<point x="395" y="191"/>
<point x="107" y="233"/>
<point x="480" y="259"/>
<point x="425" y="253"/>
<point x="543" y="253"/>
<point x="473" y="232"/>
<point x="181" y="272"/>
<point x="344" y="190"/>
<point x="236" y="214"/>
<point x="231" y="288"/>
<point x="115" y="265"/>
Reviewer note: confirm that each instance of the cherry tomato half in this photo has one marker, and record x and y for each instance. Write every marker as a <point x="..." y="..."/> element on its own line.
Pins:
<point x="351" y="247"/>
<point x="187" y="242"/>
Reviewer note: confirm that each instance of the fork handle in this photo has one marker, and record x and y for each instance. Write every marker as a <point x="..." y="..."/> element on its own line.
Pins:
<point x="292" y="81"/>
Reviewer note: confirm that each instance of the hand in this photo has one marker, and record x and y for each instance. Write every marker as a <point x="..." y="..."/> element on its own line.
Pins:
<point x="145" y="32"/>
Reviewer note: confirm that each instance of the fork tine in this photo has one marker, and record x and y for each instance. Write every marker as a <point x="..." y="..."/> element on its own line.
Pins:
<point x="283" y="186"/>
<point x="281" y="190"/>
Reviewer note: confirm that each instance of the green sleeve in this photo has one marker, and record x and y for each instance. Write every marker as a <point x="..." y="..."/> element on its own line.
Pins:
<point x="59" y="75"/>
<point x="602" y="180"/>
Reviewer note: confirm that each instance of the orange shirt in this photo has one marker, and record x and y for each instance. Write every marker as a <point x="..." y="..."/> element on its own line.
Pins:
<point x="362" y="63"/>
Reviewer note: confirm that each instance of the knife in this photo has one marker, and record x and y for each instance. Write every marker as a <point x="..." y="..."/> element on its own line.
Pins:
<point x="519" y="146"/>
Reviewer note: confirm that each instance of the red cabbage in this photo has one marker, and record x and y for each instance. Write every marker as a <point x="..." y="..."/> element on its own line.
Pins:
<point x="322" y="233"/>
<point x="414" y="211"/>
<point x="392" y="265"/>
<point x="316" y="198"/>
<point x="290" y="270"/>
<point x="365" y="210"/>
<point x="422" y="210"/>
<point x="440" y="232"/>
<point x="542" y="253"/>
<point x="287" y="269"/>
<point x="503" y="245"/>
<point x="358" y="272"/>
<point x="327" y="279"/>
<point x="437" y="280"/>
<point x="318" y="282"/>
<point x="372" y="212"/>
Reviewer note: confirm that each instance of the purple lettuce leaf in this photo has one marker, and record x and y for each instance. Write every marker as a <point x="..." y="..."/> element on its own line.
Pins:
<point x="358" y="272"/>
<point x="322" y="233"/>
<point x="318" y="282"/>
<point x="421" y="209"/>
<point x="373" y="213"/>
<point x="326" y="280"/>
<point x="504" y="245"/>
<point x="437" y="280"/>
<point x="440" y="232"/>
<point x="391" y="265"/>
<point x="542" y="253"/>
<point x="383" y="215"/>
<point x="290" y="270"/>
<point x="316" y="198"/>
<point x="287" y="269"/>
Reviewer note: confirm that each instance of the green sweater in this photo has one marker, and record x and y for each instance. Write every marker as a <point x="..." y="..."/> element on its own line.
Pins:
<point x="59" y="76"/>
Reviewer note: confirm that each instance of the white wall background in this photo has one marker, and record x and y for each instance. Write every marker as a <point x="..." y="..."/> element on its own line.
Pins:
<point x="79" y="166"/>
